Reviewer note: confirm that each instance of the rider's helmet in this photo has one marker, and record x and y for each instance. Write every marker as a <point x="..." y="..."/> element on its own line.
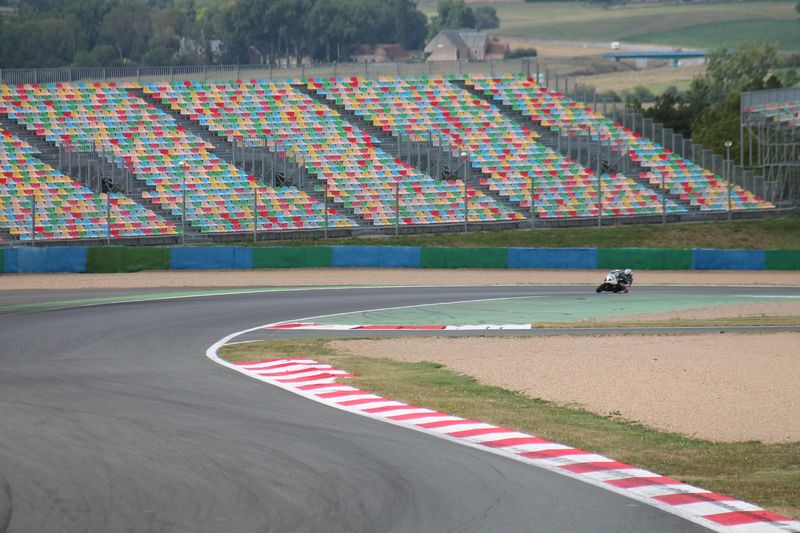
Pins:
<point x="628" y="272"/>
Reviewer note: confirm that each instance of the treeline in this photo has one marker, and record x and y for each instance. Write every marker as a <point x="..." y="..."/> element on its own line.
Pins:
<point x="708" y="111"/>
<point x="55" y="33"/>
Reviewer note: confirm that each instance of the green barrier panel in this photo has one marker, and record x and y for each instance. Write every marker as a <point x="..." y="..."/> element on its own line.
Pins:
<point x="464" y="258"/>
<point x="144" y="258"/>
<point x="783" y="260"/>
<point x="292" y="257"/>
<point x="644" y="258"/>
<point x="105" y="259"/>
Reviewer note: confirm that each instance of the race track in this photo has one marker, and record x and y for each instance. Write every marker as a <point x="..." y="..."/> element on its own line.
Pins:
<point x="113" y="419"/>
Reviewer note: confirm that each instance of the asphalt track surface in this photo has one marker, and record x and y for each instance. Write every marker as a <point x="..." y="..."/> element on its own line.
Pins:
<point x="112" y="419"/>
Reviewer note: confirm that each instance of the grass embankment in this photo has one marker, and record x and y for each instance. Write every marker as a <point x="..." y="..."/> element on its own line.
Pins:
<point x="695" y="25"/>
<point x="768" y="475"/>
<point x="777" y="233"/>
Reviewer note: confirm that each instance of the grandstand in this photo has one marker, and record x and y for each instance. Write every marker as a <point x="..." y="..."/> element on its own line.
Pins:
<point x="770" y="137"/>
<point x="346" y="146"/>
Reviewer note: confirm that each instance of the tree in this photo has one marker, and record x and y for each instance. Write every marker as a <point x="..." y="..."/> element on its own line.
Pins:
<point x="411" y="25"/>
<point x="731" y="71"/>
<point x="452" y="15"/>
<point x="718" y="124"/>
<point x="486" y="18"/>
<point x="127" y="28"/>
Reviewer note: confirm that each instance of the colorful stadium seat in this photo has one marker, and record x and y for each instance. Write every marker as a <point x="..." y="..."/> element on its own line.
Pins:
<point x="507" y="154"/>
<point x="361" y="176"/>
<point x="693" y="184"/>
<point x="64" y="209"/>
<point x="149" y="143"/>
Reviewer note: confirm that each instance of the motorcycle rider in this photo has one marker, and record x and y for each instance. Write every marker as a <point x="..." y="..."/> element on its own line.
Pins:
<point x="624" y="278"/>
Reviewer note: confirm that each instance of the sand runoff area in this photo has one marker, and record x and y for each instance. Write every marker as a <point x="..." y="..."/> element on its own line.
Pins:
<point x="726" y="387"/>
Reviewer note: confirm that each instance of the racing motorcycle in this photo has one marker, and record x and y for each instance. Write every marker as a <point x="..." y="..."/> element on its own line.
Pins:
<point x="612" y="283"/>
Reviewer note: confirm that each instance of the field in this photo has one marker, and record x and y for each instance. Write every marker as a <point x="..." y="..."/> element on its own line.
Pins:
<point x="702" y="26"/>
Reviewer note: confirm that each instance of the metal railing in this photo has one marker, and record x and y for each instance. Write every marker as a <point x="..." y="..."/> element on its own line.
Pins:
<point x="269" y="72"/>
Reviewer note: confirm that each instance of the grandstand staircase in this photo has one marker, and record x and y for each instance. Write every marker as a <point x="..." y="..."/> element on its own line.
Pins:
<point x="92" y="169"/>
<point x="428" y="158"/>
<point x="612" y="161"/>
<point x="261" y="162"/>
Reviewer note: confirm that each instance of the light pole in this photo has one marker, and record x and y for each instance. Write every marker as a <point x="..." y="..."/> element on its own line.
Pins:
<point x="184" y="164"/>
<point x="33" y="218"/>
<point x="325" y="232"/>
<point x="397" y="207"/>
<point x="465" y="159"/>
<point x="108" y="218"/>
<point x="255" y="211"/>
<point x="728" y="145"/>
<point x="533" y="198"/>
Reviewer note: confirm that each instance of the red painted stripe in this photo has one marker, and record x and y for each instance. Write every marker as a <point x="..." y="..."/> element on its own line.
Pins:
<point x="548" y="454"/>
<point x="411" y="416"/>
<point x="359" y="401"/>
<point x="445" y="423"/>
<point x="514" y="441"/>
<point x="313" y="386"/>
<point x="291" y="325"/>
<point x="321" y="375"/>
<point x="269" y="372"/>
<point x="338" y="393"/>
<point x="683" y="499"/>
<point x="633" y="482"/>
<point x="737" y="518"/>
<point x="271" y="366"/>
<point x="387" y="408"/>
<point x="478" y="432"/>
<point x="598" y="466"/>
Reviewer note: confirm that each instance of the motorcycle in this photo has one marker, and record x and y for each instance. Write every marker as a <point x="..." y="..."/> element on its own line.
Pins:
<point x="612" y="284"/>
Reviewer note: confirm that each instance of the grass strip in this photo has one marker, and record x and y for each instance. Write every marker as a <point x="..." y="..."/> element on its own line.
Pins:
<point x="677" y="322"/>
<point x="760" y="234"/>
<point x="765" y="474"/>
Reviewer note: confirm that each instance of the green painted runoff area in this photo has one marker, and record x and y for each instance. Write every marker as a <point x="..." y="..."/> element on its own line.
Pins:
<point x="537" y="309"/>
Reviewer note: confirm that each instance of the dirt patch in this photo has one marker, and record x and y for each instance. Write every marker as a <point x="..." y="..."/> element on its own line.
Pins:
<point x="320" y="277"/>
<point x="730" y="387"/>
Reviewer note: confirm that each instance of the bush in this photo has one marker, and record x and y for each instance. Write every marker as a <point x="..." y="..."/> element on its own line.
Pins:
<point x="521" y="52"/>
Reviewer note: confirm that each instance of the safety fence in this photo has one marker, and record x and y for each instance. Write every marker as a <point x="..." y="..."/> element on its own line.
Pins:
<point x="131" y="259"/>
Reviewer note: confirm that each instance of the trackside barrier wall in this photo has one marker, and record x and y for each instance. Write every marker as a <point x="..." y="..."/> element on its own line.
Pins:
<point x="376" y="256"/>
<point x="127" y="259"/>
<point x="782" y="260"/>
<point x="552" y="258"/>
<point x="464" y="257"/>
<point x="211" y="258"/>
<point x="293" y="257"/>
<point x="40" y="260"/>
<point x="132" y="259"/>
<point x="645" y="258"/>
<point x="711" y="259"/>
